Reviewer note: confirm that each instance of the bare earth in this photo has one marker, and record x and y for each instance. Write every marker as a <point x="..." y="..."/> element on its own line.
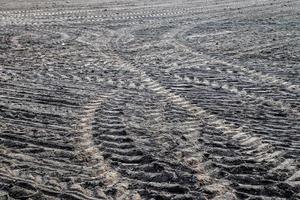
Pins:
<point x="140" y="99"/>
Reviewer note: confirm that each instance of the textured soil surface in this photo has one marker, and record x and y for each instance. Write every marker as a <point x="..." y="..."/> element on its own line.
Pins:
<point x="140" y="99"/>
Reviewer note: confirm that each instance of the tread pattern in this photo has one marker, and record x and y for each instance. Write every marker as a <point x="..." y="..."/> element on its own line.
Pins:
<point x="151" y="100"/>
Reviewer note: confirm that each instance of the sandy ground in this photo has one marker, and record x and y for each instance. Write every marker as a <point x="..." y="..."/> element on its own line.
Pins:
<point x="149" y="99"/>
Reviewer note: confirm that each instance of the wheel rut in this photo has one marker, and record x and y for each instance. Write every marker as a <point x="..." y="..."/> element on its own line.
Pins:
<point x="136" y="100"/>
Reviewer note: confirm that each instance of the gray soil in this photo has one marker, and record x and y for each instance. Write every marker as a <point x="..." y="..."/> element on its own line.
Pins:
<point x="140" y="99"/>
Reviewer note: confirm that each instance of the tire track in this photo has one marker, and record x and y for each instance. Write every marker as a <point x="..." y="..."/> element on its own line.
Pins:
<point x="87" y="149"/>
<point x="141" y="168"/>
<point x="135" y="100"/>
<point x="261" y="151"/>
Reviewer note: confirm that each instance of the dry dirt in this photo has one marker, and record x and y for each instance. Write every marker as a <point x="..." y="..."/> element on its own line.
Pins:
<point x="125" y="99"/>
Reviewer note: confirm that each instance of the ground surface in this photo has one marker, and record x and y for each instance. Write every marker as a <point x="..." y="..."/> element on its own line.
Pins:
<point x="149" y="99"/>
